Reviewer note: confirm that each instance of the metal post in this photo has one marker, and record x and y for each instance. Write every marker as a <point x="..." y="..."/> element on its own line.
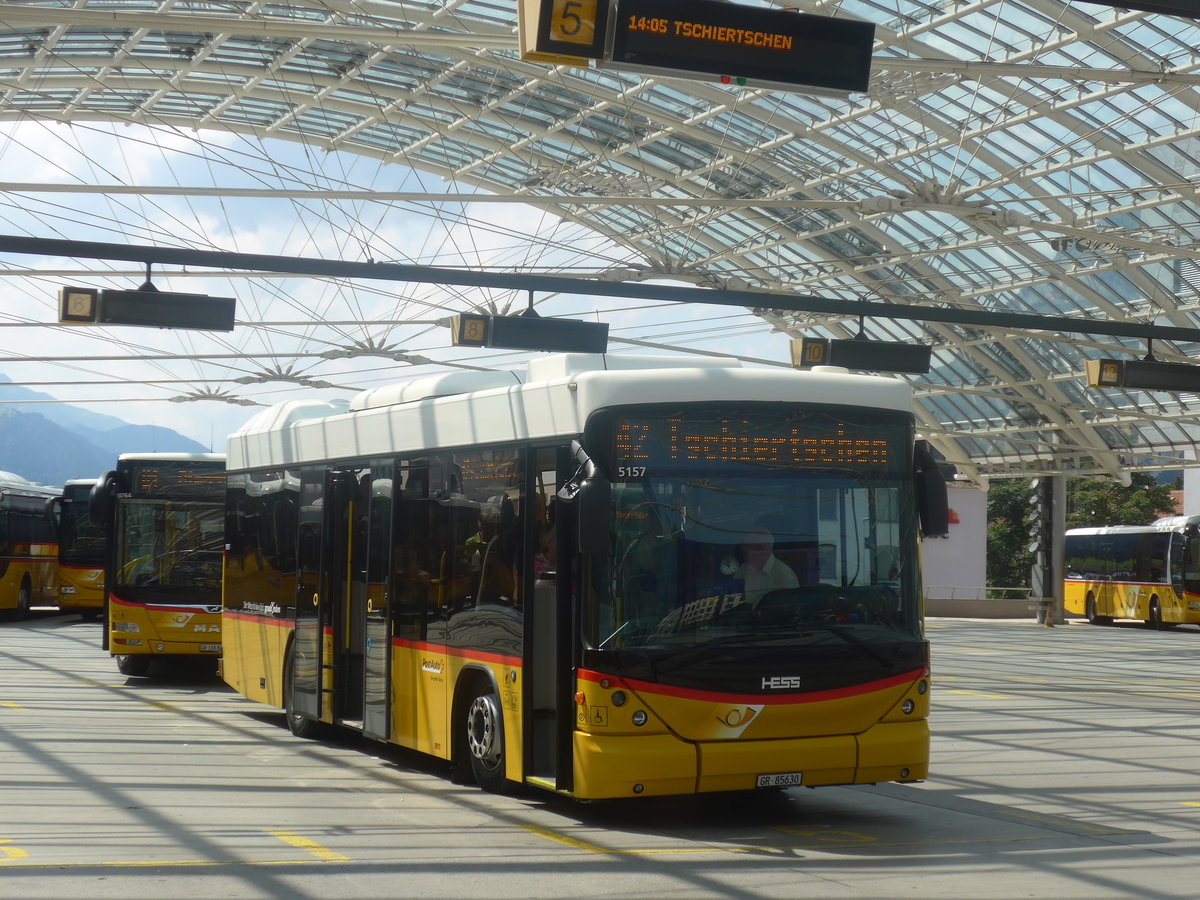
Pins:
<point x="1058" y="527"/>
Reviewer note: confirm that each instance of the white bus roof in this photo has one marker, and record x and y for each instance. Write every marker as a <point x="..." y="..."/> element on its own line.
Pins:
<point x="1167" y="523"/>
<point x="16" y="486"/>
<point x="553" y="400"/>
<point x="172" y="457"/>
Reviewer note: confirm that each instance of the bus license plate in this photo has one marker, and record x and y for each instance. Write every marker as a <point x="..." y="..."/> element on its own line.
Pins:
<point x="782" y="779"/>
<point x="210" y="648"/>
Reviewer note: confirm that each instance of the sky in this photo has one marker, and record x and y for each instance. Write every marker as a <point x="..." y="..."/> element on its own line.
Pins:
<point x="284" y="325"/>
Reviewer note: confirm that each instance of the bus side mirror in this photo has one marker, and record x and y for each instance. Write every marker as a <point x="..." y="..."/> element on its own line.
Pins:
<point x="102" y="499"/>
<point x="593" y="509"/>
<point x="933" y="505"/>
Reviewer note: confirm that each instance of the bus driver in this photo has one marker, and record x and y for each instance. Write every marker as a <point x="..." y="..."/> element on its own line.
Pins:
<point x="762" y="571"/>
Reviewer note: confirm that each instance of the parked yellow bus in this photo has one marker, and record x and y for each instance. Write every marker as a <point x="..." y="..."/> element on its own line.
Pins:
<point x="80" y="552"/>
<point x="560" y="578"/>
<point x="162" y="514"/>
<point x="28" y="546"/>
<point x="1147" y="572"/>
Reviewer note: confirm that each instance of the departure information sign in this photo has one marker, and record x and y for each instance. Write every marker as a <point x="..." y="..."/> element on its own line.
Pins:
<point x="646" y="444"/>
<point x="772" y="46"/>
<point x="177" y="479"/>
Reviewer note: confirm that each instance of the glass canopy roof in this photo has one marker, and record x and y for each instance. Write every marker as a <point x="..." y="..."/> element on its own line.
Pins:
<point x="1031" y="156"/>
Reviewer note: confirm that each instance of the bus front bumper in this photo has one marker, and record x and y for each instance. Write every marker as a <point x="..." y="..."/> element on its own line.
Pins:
<point x="611" y="766"/>
<point x="126" y="646"/>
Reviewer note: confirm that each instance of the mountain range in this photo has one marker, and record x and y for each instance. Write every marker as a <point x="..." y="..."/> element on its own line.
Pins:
<point x="61" y="441"/>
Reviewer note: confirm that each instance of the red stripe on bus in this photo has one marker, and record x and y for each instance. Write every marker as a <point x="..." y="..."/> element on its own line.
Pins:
<point x="650" y="687"/>
<point x="459" y="652"/>
<point x="158" y="607"/>
<point x="257" y="618"/>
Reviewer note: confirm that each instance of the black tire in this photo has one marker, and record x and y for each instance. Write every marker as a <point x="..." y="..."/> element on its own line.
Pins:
<point x="1090" y="613"/>
<point x="136" y="666"/>
<point x="298" y="723"/>
<point x="24" y="601"/>
<point x="1155" y="621"/>
<point x="484" y="726"/>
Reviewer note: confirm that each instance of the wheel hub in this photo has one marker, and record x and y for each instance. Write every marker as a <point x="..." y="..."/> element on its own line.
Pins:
<point x="482" y="731"/>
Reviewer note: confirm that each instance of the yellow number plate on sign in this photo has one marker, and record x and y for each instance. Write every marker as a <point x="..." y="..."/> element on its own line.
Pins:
<point x="573" y="21"/>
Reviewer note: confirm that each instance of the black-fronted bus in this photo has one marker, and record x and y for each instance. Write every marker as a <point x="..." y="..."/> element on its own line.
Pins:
<point x="163" y="515"/>
<point x="80" y="586"/>
<point x="28" y="546"/>
<point x="575" y="578"/>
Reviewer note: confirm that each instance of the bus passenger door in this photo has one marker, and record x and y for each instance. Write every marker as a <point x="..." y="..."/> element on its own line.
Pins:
<point x="355" y="572"/>
<point x="344" y="579"/>
<point x="549" y="675"/>
<point x="377" y="594"/>
<point x="306" y="667"/>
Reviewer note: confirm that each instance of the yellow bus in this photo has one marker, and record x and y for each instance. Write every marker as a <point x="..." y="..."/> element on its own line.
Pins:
<point x="80" y="552"/>
<point x="163" y="517"/>
<point x="1147" y="572"/>
<point x="28" y="546"/>
<point x="561" y="578"/>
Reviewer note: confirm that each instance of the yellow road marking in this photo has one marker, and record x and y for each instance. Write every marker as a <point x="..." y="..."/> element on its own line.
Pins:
<point x="10" y="704"/>
<point x="828" y="836"/>
<point x="305" y="844"/>
<point x="1189" y="803"/>
<point x="565" y="840"/>
<point x="8" y="854"/>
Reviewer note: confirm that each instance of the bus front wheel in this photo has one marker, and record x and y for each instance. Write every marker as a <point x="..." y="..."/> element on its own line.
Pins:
<point x="1155" y="619"/>
<point x="24" y="601"/>
<point x="1090" y="613"/>
<point x="136" y="666"/>
<point x="485" y="739"/>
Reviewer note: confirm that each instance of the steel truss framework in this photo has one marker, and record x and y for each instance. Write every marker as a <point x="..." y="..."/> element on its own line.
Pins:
<point x="1029" y="156"/>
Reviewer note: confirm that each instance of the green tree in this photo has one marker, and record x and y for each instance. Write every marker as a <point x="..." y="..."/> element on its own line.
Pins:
<point x="1008" y="556"/>
<point x="1090" y="503"/>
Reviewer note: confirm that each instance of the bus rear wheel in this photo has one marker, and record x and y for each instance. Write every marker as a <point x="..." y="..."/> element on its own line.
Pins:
<point x="298" y="723"/>
<point x="24" y="601"/>
<point x="485" y="739"/>
<point x="136" y="666"/>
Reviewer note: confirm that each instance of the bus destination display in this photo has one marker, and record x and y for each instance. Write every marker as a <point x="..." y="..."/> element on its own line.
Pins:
<point x="728" y="39"/>
<point x="643" y="445"/>
<point x="178" y="480"/>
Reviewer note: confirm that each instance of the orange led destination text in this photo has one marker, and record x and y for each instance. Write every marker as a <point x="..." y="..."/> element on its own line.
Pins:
<point x="720" y="34"/>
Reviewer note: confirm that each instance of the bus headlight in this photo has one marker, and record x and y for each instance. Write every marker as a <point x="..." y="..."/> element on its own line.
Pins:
<point x="907" y="707"/>
<point x="639" y="718"/>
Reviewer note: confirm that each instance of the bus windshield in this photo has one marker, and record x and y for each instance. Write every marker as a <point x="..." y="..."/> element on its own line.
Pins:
<point x="165" y="544"/>
<point x="80" y="541"/>
<point x="758" y="529"/>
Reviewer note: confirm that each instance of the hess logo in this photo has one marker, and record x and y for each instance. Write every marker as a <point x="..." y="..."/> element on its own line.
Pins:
<point x="781" y="683"/>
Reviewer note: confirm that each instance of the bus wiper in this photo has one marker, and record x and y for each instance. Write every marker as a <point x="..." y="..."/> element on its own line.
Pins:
<point x="604" y="643"/>
<point x="705" y="651"/>
<point x="849" y="637"/>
